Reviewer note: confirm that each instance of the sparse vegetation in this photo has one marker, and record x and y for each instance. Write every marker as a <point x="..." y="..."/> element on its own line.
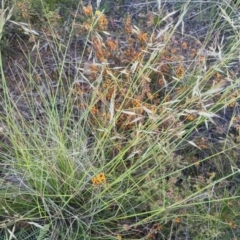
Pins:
<point x="119" y="121"/>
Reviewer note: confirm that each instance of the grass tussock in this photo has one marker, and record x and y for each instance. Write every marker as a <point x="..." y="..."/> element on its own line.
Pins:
<point x="120" y="129"/>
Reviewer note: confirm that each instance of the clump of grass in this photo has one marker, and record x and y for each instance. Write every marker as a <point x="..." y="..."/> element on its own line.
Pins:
<point x="113" y="142"/>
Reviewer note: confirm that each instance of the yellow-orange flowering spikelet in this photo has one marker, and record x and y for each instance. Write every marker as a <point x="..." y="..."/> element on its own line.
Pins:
<point x="179" y="72"/>
<point x="87" y="10"/>
<point x="24" y="8"/>
<point x="177" y="220"/>
<point x="184" y="45"/>
<point x="190" y="117"/>
<point x="99" y="179"/>
<point x="94" y="110"/>
<point x="150" y="96"/>
<point x="102" y="22"/>
<point x="128" y="25"/>
<point x="101" y="53"/>
<point x="112" y="45"/>
<point x="142" y="37"/>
